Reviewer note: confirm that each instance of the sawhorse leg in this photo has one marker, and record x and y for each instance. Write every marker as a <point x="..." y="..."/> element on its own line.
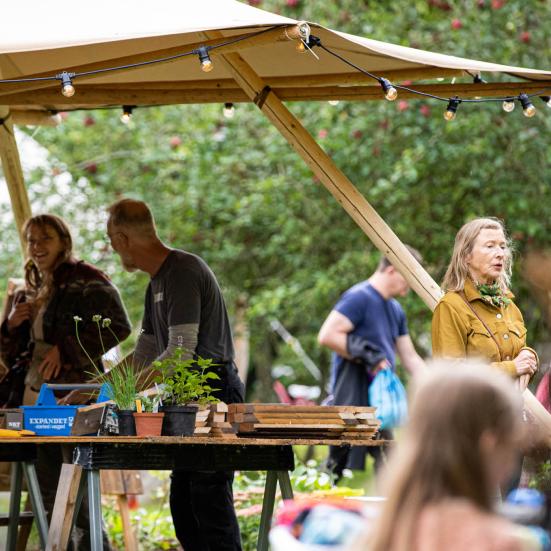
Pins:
<point x="94" y="507"/>
<point x="272" y="477"/>
<point x="37" y="504"/>
<point x="68" y="501"/>
<point x="18" y="469"/>
<point x="15" y="504"/>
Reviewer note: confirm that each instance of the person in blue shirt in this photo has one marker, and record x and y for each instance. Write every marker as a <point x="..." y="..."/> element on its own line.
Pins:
<point x="365" y="330"/>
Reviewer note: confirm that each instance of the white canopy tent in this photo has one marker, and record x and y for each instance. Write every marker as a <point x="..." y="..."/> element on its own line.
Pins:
<point x="254" y="58"/>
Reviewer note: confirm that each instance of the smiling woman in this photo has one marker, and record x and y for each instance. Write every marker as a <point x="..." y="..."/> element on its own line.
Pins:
<point x="477" y="316"/>
<point x="39" y="329"/>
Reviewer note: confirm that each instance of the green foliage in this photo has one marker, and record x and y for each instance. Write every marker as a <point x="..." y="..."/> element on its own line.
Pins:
<point x="186" y="381"/>
<point x="150" y="404"/>
<point x="541" y="479"/>
<point x="152" y="523"/>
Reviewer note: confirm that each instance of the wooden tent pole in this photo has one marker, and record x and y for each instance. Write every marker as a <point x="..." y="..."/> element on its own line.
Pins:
<point x="333" y="179"/>
<point x="13" y="173"/>
<point x="352" y="201"/>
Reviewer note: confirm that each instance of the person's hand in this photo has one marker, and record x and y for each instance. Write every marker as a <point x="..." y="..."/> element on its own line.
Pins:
<point x="383" y="364"/>
<point x="51" y="365"/>
<point x="526" y="363"/>
<point x="20" y="312"/>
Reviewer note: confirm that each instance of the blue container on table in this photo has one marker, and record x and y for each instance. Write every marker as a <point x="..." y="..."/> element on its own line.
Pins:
<point x="46" y="418"/>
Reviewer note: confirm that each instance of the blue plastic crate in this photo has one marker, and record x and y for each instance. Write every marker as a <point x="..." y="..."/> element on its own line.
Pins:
<point x="46" y="418"/>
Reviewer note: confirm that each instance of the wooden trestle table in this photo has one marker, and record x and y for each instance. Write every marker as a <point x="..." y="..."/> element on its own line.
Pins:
<point x="93" y="453"/>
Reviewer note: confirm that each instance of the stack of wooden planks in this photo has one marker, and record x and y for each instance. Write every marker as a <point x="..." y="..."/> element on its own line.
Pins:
<point x="287" y="421"/>
<point x="212" y="420"/>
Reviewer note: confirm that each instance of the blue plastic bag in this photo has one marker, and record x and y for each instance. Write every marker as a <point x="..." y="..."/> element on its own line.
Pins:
<point x="388" y="395"/>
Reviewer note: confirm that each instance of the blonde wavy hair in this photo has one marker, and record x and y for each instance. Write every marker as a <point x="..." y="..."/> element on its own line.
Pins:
<point x="439" y="456"/>
<point x="458" y="269"/>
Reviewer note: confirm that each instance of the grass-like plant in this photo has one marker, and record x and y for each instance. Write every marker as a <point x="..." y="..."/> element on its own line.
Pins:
<point x="124" y="379"/>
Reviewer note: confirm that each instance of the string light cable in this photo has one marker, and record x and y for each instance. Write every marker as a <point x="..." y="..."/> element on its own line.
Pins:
<point x="391" y="90"/>
<point x="308" y="42"/>
<point x="66" y="78"/>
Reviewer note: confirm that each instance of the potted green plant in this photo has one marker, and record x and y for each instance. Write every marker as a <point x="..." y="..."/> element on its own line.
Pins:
<point x="185" y="387"/>
<point x="148" y="418"/>
<point x="122" y="383"/>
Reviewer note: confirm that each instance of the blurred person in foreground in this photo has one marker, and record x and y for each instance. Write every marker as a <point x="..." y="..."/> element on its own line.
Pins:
<point x="459" y="445"/>
<point x="365" y="330"/>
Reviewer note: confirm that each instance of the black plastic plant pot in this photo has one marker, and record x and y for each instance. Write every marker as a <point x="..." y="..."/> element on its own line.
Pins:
<point x="178" y="420"/>
<point x="127" y="425"/>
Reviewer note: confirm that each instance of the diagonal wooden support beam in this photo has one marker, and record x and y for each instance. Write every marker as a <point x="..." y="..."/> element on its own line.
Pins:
<point x="332" y="178"/>
<point x="13" y="173"/>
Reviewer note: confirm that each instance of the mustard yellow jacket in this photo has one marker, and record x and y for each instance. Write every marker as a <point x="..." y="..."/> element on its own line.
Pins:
<point x="458" y="333"/>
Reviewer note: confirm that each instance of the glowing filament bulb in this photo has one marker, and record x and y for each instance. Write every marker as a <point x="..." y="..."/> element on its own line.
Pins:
<point x="126" y="114"/>
<point x="67" y="88"/>
<point x="390" y="92"/>
<point x="508" y="105"/>
<point x="451" y="110"/>
<point x="527" y="108"/>
<point x="229" y="110"/>
<point x="204" y="59"/>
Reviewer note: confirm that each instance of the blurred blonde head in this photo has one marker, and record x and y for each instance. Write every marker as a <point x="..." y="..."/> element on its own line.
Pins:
<point x="465" y="425"/>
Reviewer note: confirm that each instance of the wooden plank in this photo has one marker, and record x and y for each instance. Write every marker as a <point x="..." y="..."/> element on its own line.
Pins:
<point x="130" y="540"/>
<point x="93" y="96"/>
<point x="13" y="173"/>
<point x="64" y="508"/>
<point x="289" y="409"/>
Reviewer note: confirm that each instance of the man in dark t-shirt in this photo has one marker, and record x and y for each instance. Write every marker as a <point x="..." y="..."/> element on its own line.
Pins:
<point x="369" y="312"/>
<point x="184" y="308"/>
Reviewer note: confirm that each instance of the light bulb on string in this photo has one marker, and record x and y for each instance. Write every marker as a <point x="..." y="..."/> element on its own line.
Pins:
<point x="451" y="110"/>
<point x="301" y="46"/>
<point x="508" y="105"/>
<point x="390" y="92"/>
<point x="204" y="59"/>
<point x="333" y="102"/>
<point x="546" y="100"/>
<point x="229" y="110"/>
<point x="126" y="113"/>
<point x="56" y="117"/>
<point x="527" y="108"/>
<point x="67" y="88"/>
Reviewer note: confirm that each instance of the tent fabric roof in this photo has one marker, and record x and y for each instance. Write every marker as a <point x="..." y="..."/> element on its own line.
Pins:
<point x="59" y="36"/>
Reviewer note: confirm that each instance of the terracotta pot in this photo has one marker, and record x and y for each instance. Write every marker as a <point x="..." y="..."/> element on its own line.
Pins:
<point x="148" y="424"/>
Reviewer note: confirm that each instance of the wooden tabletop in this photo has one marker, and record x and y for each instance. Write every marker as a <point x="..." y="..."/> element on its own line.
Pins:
<point x="184" y="440"/>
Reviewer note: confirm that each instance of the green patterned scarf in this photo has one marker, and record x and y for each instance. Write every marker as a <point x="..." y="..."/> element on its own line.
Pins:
<point x="492" y="294"/>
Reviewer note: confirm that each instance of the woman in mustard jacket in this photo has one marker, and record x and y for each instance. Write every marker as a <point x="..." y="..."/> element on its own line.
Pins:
<point x="477" y="317"/>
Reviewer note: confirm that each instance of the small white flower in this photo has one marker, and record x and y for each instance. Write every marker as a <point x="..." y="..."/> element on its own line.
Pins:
<point x="106" y="322"/>
<point x="77" y="318"/>
<point x="96" y="318"/>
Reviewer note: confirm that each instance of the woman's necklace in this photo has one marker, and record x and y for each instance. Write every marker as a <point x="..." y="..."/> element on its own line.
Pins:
<point x="492" y="294"/>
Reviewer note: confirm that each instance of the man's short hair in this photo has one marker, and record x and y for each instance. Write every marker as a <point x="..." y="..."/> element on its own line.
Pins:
<point x="384" y="262"/>
<point x="134" y="216"/>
